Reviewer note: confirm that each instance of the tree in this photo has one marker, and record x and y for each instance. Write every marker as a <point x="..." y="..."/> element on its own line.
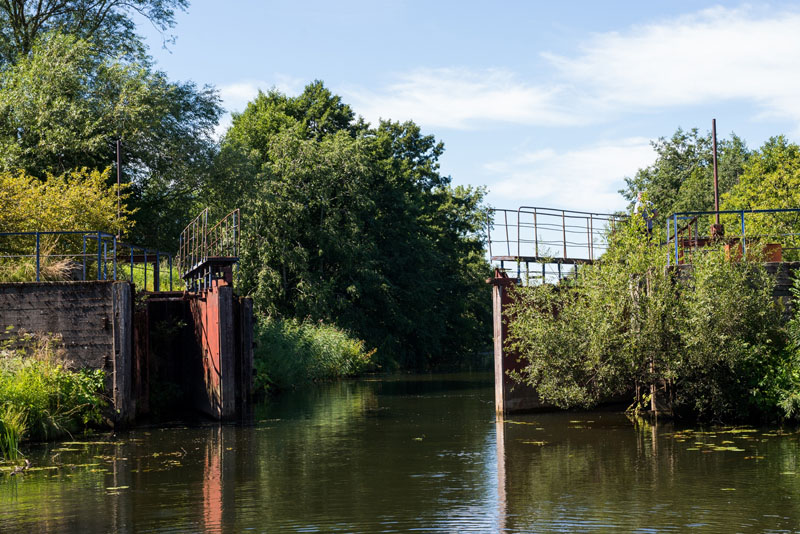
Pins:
<point x="356" y="226"/>
<point x="681" y="178"/>
<point x="108" y="24"/>
<point x="709" y="343"/>
<point x="65" y="105"/>
<point x="771" y="180"/>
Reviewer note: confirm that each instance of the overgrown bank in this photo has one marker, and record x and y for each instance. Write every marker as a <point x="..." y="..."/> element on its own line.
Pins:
<point x="292" y="353"/>
<point x="714" y="345"/>
<point x="40" y="398"/>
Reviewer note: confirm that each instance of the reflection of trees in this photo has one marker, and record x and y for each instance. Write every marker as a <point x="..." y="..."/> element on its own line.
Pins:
<point x="359" y="453"/>
<point x="610" y="473"/>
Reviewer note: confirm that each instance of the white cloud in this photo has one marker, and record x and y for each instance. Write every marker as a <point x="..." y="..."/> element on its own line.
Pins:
<point x="717" y="54"/>
<point x="584" y="179"/>
<point x="459" y="98"/>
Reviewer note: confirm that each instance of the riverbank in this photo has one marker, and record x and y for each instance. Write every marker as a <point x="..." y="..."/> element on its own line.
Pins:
<point x="40" y="397"/>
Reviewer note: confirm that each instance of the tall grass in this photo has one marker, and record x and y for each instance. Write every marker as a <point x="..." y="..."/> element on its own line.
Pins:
<point x="40" y="398"/>
<point x="291" y="353"/>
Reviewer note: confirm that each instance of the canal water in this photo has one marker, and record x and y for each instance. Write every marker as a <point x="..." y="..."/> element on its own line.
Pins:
<point x="412" y="453"/>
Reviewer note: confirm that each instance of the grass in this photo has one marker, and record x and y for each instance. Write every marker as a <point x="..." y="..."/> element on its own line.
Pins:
<point x="291" y="353"/>
<point x="40" y="397"/>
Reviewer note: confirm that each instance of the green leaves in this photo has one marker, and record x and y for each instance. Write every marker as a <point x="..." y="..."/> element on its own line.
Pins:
<point x="355" y="226"/>
<point x="711" y="339"/>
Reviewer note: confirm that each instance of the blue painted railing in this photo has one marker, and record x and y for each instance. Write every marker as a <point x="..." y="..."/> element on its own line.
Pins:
<point x="100" y="250"/>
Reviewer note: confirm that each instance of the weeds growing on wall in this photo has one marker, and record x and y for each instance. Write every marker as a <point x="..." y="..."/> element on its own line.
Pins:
<point x="40" y="398"/>
<point x="290" y="353"/>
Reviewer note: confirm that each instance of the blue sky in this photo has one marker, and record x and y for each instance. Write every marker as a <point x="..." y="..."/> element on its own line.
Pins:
<point x="546" y="103"/>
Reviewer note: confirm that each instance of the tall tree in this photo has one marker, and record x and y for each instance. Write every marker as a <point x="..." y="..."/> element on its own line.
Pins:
<point x="64" y="106"/>
<point x="771" y="180"/>
<point x="356" y="226"/>
<point x="681" y="178"/>
<point x="108" y="24"/>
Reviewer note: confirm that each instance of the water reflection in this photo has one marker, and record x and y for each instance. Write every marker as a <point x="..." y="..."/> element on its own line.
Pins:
<point x="415" y="453"/>
<point x="600" y="472"/>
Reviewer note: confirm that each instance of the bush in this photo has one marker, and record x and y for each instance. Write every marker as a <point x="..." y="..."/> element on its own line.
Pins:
<point x="39" y="397"/>
<point x="290" y="353"/>
<point x="709" y="344"/>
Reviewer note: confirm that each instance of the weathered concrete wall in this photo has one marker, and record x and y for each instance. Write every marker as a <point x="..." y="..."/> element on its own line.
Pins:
<point x="509" y="396"/>
<point x="204" y="345"/>
<point x="80" y="311"/>
<point x="94" y="320"/>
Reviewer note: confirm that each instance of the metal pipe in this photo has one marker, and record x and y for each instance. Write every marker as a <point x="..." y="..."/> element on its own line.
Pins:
<point x="564" y="237"/>
<point x="535" y="234"/>
<point x="84" y="258"/>
<point x="508" y="241"/>
<point x="675" y="222"/>
<point x="99" y="257"/>
<point x="743" y="238"/>
<point x="716" y="181"/>
<point x="37" y="257"/>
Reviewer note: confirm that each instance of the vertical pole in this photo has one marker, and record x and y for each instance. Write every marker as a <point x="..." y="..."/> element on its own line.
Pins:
<point x="559" y="271"/>
<point x="145" y="270"/>
<point x="535" y="234"/>
<point x="99" y="258"/>
<point x="84" y="257"/>
<point x="157" y="273"/>
<point x="508" y="241"/>
<point x="131" y="264"/>
<point x="743" y="238"/>
<point x="564" y="236"/>
<point x="37" y="257"/>
<point x="716" y="180"/>
<point x="105" y="260"/>
<point x="170" y="272"/>
<point x="591" y="241"/>
<point x="489" y="233"/>
<point x="675" y="223"/>
<point x="544" y="272"/>
<point x="667" y="242"/>
<point x="588" y="239"/>
<point x="115" y="258"/>
<point x="118" y="193"/>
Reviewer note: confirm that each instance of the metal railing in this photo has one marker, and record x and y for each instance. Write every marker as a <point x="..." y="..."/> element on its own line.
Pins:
<point x="79" y="255"/>
<point x="548" y="236"/>
<point x="777" y="230"/>
<point x="201" y="243"/>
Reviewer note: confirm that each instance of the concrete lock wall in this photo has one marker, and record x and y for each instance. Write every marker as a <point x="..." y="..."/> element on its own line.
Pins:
<point x="509" y="396"/>
<point x="101" y="327"/>
<point x="93" y="320"/>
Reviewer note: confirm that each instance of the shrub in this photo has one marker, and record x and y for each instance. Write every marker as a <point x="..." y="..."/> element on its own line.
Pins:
<point x="711" y="342"/>
<point x="39" y="397"/>
<point x="290" y="353"/>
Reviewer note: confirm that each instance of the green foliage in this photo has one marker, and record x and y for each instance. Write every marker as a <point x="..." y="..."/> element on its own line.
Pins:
<point x="771" y="180"/>
<point x="732" y="340"/>
<point x="681" y="179"/>
<point x="355" y="226"/>
<point x="64" y="106"/>
<point x="290" y="353"/>
<point x="108" y="24"/>
<point x="13" y="425"/>
<point x="39" y="397"/>
<point x="77" y="200"/>
<point x="712" y="341"/>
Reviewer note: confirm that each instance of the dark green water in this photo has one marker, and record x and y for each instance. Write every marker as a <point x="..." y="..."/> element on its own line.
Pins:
<point x="410" y="454"/>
